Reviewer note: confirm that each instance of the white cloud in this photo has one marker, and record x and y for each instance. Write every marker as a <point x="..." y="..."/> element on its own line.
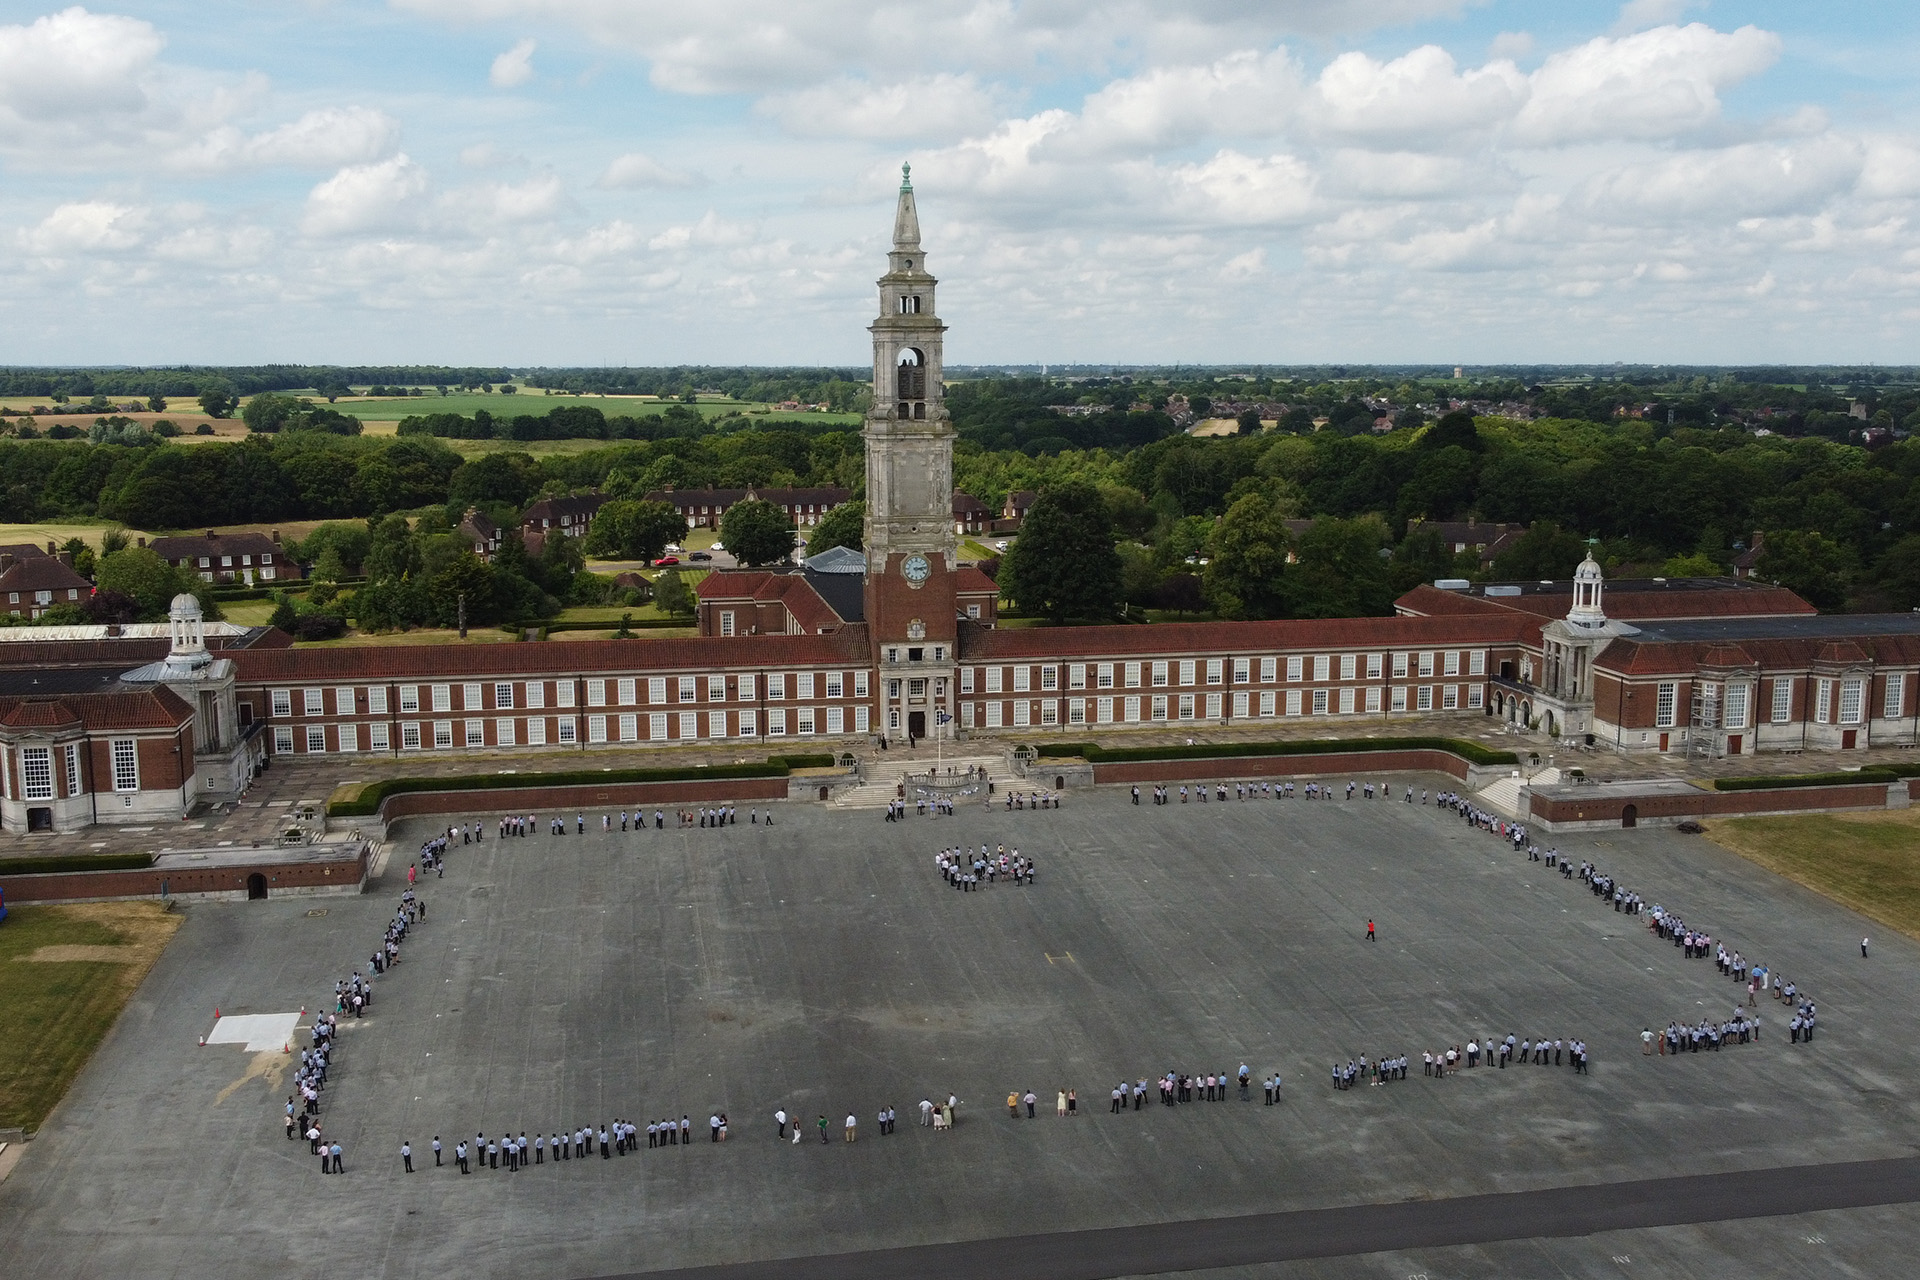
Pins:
<point x="1419" y="94"/>
<point x="76" y="63"/>
<point x="635" y="169"/>
<point x="1728" y="183"/>
<point x="927" y="108"/>
<point x="1245" y="94"/>
<point x="529" y="201"/>
<point x="513" y="68"/>
<point x="367" y="197"/>
<point x="1513" y="45"/>
<point x="712" y="231"/>
<point x="321" y="139"/>
<point x="1239" y="190"/>
<point x="92" y="226"/>
<point x="1638" y="15"/>
<point x="1655" y="84"/>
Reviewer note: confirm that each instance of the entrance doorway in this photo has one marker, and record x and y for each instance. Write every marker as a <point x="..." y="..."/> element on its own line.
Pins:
<point x="256" y="886"/>
<point x="1630" y="816"/>
<point x="916" y="725"/>
<point x="1849" y="739"/>
<point x="40" y="819"/>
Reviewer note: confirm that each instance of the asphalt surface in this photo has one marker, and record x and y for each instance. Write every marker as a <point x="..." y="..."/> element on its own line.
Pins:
<point x="824" y="967"/>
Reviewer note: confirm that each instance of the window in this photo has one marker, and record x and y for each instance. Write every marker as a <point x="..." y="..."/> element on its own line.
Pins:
<point x="993" y="679"/>
<point x="716" y="689"/>
<point x="410" y="736"/>
<point x="1782" y="699"/>
<point x="377" y="699"/>
<point x="1293" y="702"/>
<point x="282" y="702"/>
<point x="1322" y="667"/>
<point x="1450" y="662"/>
<point x="36" y="773"/>
<point x="1296" y="669"/>
<point x="893" y="690"/>
<point x="628" y="695"/>
<point x="802" y="722"/>
<point x="343" y="700"/>
<point x="1103" y="710"/>
<point x="1130" y="710"/>
<point x="442" y="734"/>
<point x="657" y="690"/>
<point x="1896" y="697"/>
<point x="1319" y="702"/>
<point x="1216" y="670"/>
<point x="966" y="679"/>
<point x="568" y="730"/>
<point x="1242" y="670"/>
<point x="1477" y="662"/>
<point x="1399" y="699"/>
<point x="1663" y="703"/>
<point x="1049" y="679"/>
<point x="1399" y="665"/>
<point x="630" y="728"/>
<point x="1373" y="699"/>
<point x="1424" y="702"/>
<point x="836" y="719"/>
<point x="836" y="682"/>
<point x="1736" y="706"/>
<point x="1187" y="671"/>
<point x="689" y="688"/>
<point x="126" y="764"/>
<point x="349" y="737"/>
<point x="749" y="724"/>
<point x="1213" y="706"/>
<point x="315" y="701"/>
<point x="1160" y="706"/>
<point x="1346" y="702"/>
<point x="476" y="733"/>
<point x="283" y="741"/>
<point x="1076" y="675"/>
<point x="1023" y="679"/>
<point x="776" y="686"/>
<point x="316" y="739"/>
<point x="470" y="697"/>
<point x="803" y="685"/>
<point x="73" y="769"/>
<point x="537" y="732"/>
<point x="1240" y="706"/>
<point x="1349" y="666"/>
<point x="443" y="697"/>
<point x="378" y="738"/>
<point x="1373" y="666"/>
<point x="1852" y="694"/>
<point x="596" y="728"/>
<point x="1268" y="669"/>
<point x="1132" y="675"/>
<point x="1186" y="706"/>
<point x="1160" y="675"/>
<point x="973" y="611"/>
<point x="1022" y="714"/>
<point x="1475" y="696"/>
<point x="777" y="723"/>
<point x="1076" y="710"/>
<point x="716" y="724"/>
<point x="596" y="693"/>
<point x="1450" y="697"/>
<point x="726" y="622"/>
<point x="563" y="693"/>
<point x="746" y="684"/>
<point x="859" y="684"/>
<point x="1426" y="664"/>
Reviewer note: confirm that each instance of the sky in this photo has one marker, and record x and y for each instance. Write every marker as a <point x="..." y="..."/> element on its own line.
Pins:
<point x="648" y="182"/>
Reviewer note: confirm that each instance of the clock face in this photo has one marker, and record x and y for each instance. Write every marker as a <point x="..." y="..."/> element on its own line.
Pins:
<point x="916" y="569"/>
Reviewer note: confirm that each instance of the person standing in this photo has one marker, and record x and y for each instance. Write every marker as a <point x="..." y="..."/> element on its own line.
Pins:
<point x="436" y="1151"/>
<point x="1029" y="1099"/>
<point x="1863" y="948"/>
<point x="780" y="1122"/>
<point x="823" y="1129"/>
<point x="1370" y="937"/>
<point x="337" y="1166"/>
<point x="850" y="1126"/>
<point x="406" y="1156"/>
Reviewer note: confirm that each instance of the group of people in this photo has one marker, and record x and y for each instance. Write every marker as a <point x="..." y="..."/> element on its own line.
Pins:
<point x="968" y="871"/>
<point x="1031" y="800"/>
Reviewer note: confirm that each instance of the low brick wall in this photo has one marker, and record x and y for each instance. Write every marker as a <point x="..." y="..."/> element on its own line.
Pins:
<point x="1562" y="813"/>
<point x="488" y="805"/>
<point x="335" y="875"/>
<point x="1358" y="765"/>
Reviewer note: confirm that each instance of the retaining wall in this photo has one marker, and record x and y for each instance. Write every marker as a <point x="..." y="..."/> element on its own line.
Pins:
<point x="335" y="875"/>
<point x="1575" y="812"/>
<point x="1358" y="765"/>
<point x="487" y="805"/>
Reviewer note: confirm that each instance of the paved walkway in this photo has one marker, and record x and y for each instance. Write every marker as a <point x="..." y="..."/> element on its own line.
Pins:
<point x="1207" y="1243"/>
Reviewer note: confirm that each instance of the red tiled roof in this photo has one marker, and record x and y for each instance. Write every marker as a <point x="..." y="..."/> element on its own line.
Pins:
<point x="550" y="657"/>
<point x="36" y="713"/>
<point x="1734" y="601"/>
<point x="82" y="653"/>
<point x="1628" y="657"/>
<point x="968" y="580"/>
<point x="159" y="708"/>
<point x="224" y="544"/>
<point x="44" y="573"/>
<point x="1175" y="638"/>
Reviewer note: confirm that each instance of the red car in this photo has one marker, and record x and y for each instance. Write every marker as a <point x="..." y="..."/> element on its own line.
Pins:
<point x="667" y="560"/>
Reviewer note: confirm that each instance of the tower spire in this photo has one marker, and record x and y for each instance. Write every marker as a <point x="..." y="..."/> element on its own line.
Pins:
<point x="906" y="218"/>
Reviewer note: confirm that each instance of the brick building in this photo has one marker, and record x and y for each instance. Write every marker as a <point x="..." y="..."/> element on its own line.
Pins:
<point x="229" y="557"/>
<point x="703" y="508"/>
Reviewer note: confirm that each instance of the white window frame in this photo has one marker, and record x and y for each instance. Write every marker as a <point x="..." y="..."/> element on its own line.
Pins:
<point x="36" y="773"/>
<point x="624" y="689"/>
<point x="316" y="740"/>
<point x="314" y="702"/>
<point x="379" y="738"/>
<point x="443" y="735"/>
<point x="442" y="697"/>
<point x="125" y="755"/>
<point x="343" y="700"/>
<point x="1666" y="698"/>
<point x="280" y="702"/>
<point x="472" y="696"/>
<point x="1296" y="668"/>
<point x="376" y="699"/>
<point x="349" y="737"/>
<point x="1894" y="697"/>
<point x="1782" y="710"/>
<point x="410" y="738"/>
<point x="283" y="740"/>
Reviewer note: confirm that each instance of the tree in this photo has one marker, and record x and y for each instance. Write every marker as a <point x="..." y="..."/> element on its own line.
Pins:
<point x="1340" y="573"/>
<point x="672" y="595"/>
<point x="629" y="530"/>
<point x="284" y="615"/>
<point x="141" y="575"/>
<point x="1248" y="422"/>
<point x="1812" y="565"/>
<point x="757" y="532"/>
<point x="844" y="526"/>
<point x="1545" y="551"/>
<point x="329" y="567"/>
<point x="1064" y="565"/>
<point x="1246" y="573"/>
<point x="391" y="554"/>
<point x="217" y="403"/>
<point x="156" y="403"/>
<point x="266" y="414"/>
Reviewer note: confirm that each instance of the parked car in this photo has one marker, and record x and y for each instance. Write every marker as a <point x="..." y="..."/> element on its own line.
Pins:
<point x="666" y="560"/>
<point x="700" y="555"/>
<point x="1000" y="545"/>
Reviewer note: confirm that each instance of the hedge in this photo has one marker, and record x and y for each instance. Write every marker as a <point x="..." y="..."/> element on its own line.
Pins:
<point x="57" y="863"/>
<point x="1880" y="775"/>
<point x="1472" y="752"/>
<point x="368" y="802"/>
<point x="638" y="624"/>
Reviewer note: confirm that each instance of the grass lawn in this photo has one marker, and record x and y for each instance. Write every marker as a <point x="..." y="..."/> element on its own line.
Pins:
<point x="607" y="613"/>
<point x="247" y="613"/>
<point x="1867" y="861"/>
<point x="419" y="635"/>
<point x="396" y="408"/>
<point x="42" y="534"/>
<point x="65" y="974"/>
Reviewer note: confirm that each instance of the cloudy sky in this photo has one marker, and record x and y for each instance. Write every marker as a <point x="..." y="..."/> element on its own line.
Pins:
<point x="657" y="181"/>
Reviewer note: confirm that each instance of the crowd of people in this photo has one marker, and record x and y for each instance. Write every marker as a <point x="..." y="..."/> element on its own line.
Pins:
<point x="967" y="871"/>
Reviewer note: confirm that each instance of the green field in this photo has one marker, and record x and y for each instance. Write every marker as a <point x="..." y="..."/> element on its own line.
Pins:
<point x="65" y="974"/>
<point x="1865" y="861"/>
<point x="392" y="410"/>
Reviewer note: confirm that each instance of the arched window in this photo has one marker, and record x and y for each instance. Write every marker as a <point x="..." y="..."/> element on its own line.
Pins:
<point x="911" y="377"/>
<point x="910" y="304"/>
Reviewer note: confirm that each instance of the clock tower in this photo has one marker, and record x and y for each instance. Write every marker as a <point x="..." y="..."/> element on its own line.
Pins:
<point x="911" y="546"/>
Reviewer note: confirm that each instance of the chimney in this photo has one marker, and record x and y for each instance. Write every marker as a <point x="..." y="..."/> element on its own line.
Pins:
<point x="66" y="558"/>
<point x="211" y="535"/>
<point x="141" y="541"/>
<point x="49" y="548"/>
<point x="275" y="535"/>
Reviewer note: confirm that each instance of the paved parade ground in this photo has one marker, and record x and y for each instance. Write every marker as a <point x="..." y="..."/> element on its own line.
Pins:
<point x="824" y="966"/>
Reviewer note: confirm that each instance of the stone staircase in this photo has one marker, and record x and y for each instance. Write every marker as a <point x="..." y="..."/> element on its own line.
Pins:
<point x="881" y="776"/>
<point x="1503" y="796"/>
